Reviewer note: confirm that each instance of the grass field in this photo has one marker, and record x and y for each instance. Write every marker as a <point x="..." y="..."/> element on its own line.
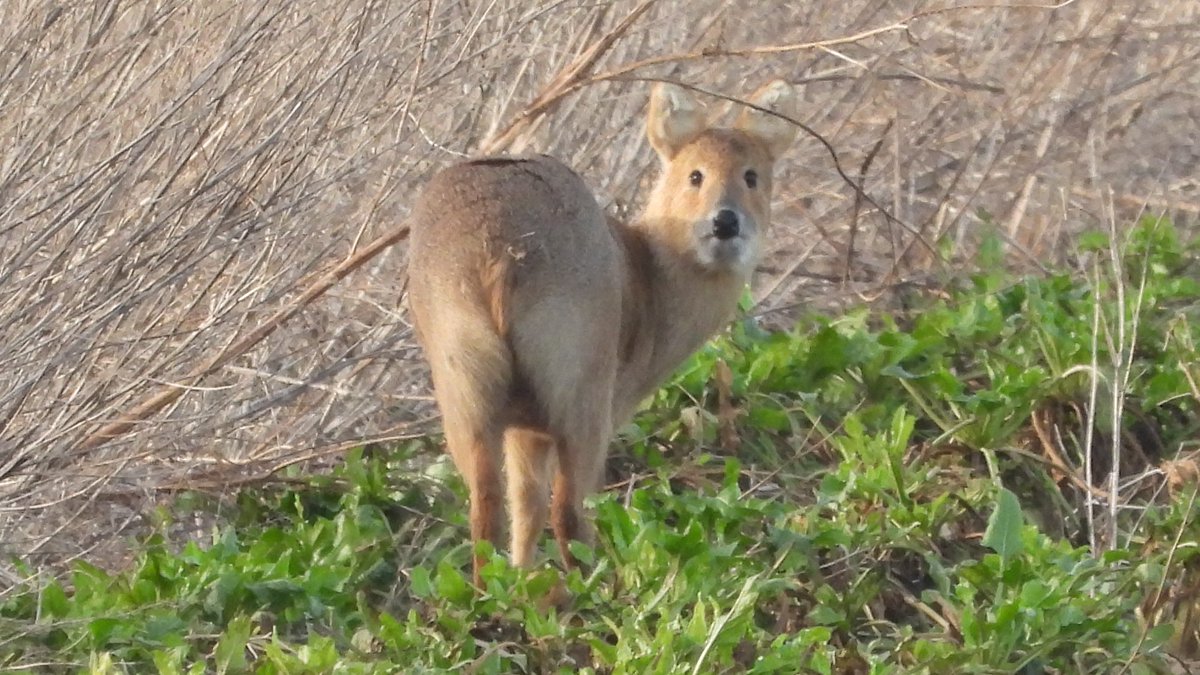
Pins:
<point x="953" y="430"/>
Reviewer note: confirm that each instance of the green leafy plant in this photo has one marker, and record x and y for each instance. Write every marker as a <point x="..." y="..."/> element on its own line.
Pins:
<point x="892" y="506"/>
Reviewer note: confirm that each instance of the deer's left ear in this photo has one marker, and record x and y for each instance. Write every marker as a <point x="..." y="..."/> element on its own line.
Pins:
<point x="775" y="132"/>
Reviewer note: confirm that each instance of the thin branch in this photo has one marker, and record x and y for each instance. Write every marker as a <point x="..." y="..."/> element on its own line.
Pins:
<point x="315" y="288"/>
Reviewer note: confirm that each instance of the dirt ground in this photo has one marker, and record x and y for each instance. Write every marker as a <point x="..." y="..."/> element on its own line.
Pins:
<point x="178" y="178"/>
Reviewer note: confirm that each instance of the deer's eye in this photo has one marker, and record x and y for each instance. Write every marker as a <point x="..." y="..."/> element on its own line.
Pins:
<point x="696" y="179"/>
<point x="751" y="179"/>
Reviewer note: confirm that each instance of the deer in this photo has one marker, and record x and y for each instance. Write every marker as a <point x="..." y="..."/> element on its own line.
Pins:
<point x="546" y="323"/>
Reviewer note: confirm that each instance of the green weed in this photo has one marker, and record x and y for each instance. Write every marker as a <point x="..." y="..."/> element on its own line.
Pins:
<point x="892" y="506"/>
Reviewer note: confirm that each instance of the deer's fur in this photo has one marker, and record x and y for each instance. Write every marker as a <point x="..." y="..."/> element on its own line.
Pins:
<point x="545" y="323"/>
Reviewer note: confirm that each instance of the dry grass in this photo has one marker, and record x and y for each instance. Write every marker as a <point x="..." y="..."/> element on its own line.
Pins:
<point x="177" y="177"/>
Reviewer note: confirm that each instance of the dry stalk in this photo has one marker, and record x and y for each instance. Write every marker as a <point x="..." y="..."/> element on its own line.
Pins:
<point x="313" y="289"/>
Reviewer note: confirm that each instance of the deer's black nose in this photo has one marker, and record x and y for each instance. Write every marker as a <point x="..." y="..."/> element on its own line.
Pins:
<point x="725" y="225"/>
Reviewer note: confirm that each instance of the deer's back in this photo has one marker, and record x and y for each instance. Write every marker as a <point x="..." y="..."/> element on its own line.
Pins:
<point x="516" y="237"/>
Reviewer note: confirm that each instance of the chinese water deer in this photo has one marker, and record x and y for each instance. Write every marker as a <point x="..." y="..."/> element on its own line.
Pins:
<point x="545" y="323"/>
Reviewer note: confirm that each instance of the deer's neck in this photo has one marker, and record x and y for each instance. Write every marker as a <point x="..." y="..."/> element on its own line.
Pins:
<point x="670" y="308"/>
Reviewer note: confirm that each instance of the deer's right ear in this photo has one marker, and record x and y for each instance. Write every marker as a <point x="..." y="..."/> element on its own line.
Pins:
<point x="675" y="118"/>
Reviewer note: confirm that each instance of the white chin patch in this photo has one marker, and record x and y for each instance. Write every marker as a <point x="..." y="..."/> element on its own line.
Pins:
<point x="734" y="255"/>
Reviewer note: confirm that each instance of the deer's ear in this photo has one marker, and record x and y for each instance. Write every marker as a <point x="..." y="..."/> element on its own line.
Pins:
<point x="675" y="118"/>
<point x="775" y="132"/>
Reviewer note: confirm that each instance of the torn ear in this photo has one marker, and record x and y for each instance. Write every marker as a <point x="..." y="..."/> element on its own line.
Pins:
<point x="675" y="118"/>
<point x="775" y="132"/>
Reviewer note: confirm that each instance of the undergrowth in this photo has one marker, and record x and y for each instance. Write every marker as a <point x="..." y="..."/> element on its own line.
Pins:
<point x="867" y="493"/>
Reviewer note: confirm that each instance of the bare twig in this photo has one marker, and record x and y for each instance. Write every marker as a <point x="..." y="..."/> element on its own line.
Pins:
<point x="313" y="290"/>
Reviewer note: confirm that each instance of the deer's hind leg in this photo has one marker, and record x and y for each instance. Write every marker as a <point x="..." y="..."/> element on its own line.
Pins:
<point x="582" y="450"/>
<point x="580" y="421"/>
<point x="472" y="373"/>
<point x="566" y="350"/>
<point x="529" y="459"/>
